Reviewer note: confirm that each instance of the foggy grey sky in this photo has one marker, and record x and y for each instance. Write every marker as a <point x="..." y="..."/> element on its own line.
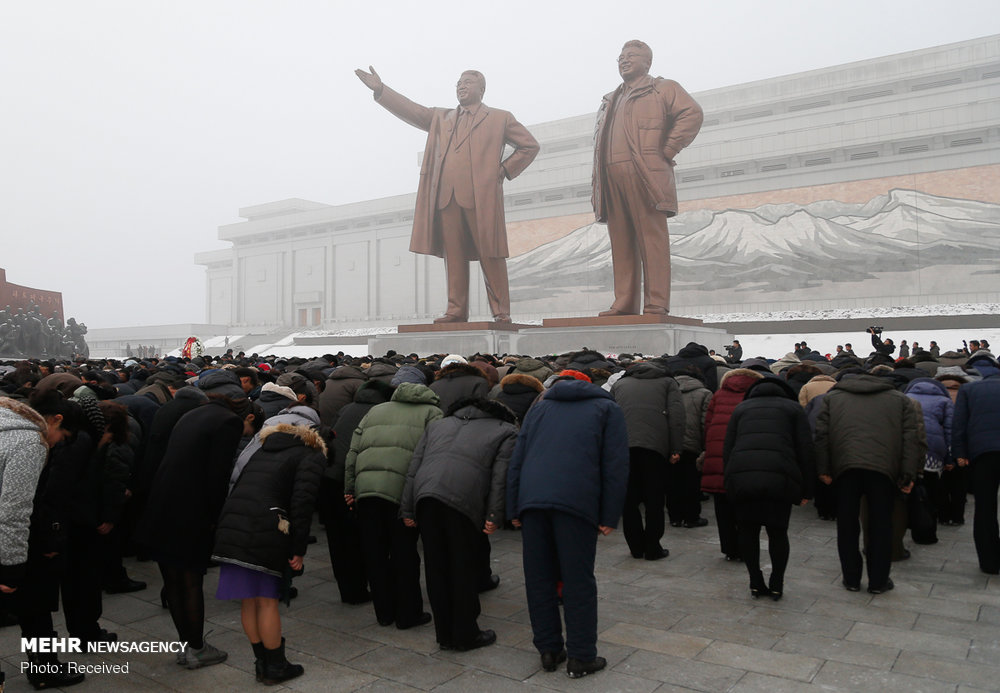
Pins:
<point x="131" y="130"/>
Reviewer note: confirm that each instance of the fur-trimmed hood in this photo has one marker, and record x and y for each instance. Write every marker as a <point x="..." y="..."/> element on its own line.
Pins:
<point x="24" y="418"/>
<point x="309" y="436"/>
<point x="528" y="381"/>
<point x="455" y="370"/>
<point x="746" y="372"/>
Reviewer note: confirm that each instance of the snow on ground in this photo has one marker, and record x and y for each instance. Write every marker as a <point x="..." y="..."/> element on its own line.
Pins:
<point x="307" y="350"/>
<point x="875" y="313"/>
<point x="775" y="346"/>
<point x="769" y="346"/>
<point x="220" y="342"/>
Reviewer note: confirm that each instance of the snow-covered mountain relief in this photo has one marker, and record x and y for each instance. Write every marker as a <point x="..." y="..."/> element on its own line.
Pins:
<point x="783" y="247"/>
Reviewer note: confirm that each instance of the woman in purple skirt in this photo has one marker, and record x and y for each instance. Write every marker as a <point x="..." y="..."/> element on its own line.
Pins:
<point x="262" y="536"/>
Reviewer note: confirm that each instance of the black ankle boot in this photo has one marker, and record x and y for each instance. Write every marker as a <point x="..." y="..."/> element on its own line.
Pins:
<point x="46" y="671"/>
<point x="277" y="668"/>
<point x="259" y="653"/>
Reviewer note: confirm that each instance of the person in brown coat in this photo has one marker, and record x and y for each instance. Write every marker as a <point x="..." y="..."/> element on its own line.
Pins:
<point x="459" y="214"/>
<point x="641" y="127"/>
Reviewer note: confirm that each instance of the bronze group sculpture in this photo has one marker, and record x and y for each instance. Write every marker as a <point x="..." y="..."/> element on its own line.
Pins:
<point x="459" y="213"/>
<point x="641" y="126"/>
<point x="30" y="334"/>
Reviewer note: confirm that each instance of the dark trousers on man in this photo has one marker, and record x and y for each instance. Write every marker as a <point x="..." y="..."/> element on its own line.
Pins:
<point x="391" y="561"/>
<point x="450" y="540"/>
<point x="984" y="473"/>
<point x="826" y="501"/>
<point x="81" y="582"/>
<point x="683" y="489"/>
<point x="954" y="489"/>
<point x="560" y="546"/>
<point x="459" y="235"/>
<point x="647" y="470"/>
<point x="640" y="244"/>
<point x="879" y="492"/>
<point x="343" y="540"/>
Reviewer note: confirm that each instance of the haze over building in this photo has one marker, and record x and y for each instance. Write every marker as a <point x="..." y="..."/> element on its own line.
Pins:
<point x="865" y="185"/>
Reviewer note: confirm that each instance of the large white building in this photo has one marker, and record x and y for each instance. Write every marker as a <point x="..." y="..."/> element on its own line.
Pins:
<point x="868" y="184"/>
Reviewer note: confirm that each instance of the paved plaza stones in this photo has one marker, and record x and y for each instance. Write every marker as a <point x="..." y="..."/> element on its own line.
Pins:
<point x="680" y="624"/>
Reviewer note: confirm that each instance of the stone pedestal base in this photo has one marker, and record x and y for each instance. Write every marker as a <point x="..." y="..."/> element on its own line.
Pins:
<point x="608" y="321"/>
<point x="462" y="338"/>
<point x="648" y="337"/>
<point x="647" y="334"/>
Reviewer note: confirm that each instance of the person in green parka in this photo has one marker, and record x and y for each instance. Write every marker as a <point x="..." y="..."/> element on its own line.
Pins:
<point x="374" y="476"/>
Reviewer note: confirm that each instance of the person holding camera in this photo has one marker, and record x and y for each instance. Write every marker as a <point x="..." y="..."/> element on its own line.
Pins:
<point x="734" y="352"/>
<point x="885" y="347"/>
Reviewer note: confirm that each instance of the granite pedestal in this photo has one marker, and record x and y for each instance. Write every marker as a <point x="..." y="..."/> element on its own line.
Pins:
<point x="449" y="338"/>
<point x="647" y="334"/>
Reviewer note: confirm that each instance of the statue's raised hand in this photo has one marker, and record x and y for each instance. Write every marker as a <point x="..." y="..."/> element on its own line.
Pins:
<point x="370" y="79"/>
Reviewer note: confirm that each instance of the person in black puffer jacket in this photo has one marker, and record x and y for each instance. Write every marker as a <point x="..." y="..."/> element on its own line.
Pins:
<point x="769" y="465"/>
<point x="262" y="536"/>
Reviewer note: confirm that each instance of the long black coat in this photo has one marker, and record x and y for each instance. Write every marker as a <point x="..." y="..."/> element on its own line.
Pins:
<point x="190" y="486"/>
<point x="367" y="396"/>
<point x="768" y="453"/>
<point x="158" y="435"/>
<point x="281" y="480"/>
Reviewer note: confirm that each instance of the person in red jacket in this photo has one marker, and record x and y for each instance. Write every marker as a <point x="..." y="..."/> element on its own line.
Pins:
<point x="734" y="385"/>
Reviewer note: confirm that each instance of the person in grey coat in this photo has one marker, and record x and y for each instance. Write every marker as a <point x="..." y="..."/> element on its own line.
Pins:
<point x="455" y="493"/>
<point x="654" y="416"/>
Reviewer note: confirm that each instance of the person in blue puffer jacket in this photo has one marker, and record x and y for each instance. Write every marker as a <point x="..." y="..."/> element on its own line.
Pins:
<point x="938" y="412"/>
<point x="565" y="485"/>
<point x="976" y="443"/>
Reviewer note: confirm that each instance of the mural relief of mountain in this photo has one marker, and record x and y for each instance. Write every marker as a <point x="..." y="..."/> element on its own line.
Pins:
<point x="784" y="247"/>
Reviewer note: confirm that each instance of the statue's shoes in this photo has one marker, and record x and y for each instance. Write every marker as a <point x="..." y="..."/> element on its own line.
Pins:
<point x="610" y="313"/>
<point x="450" y="318"/>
